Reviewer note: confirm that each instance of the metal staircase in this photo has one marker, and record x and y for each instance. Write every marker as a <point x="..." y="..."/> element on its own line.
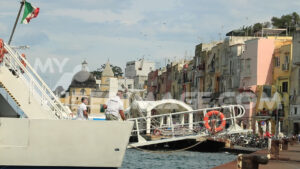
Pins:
<point x="28" y="89"/>
<point x="2" y="86"/>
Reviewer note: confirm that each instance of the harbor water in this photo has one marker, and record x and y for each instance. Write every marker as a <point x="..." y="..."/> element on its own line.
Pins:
<point x="136" y="159"/>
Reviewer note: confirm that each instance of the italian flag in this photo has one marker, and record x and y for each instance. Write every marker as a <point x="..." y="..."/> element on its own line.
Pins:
<point x="29" y="13"/>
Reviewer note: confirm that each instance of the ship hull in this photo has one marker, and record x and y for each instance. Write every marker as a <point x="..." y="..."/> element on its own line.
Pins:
<point x="48" y="143"/>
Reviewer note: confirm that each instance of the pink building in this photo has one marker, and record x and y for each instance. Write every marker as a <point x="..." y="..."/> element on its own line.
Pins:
<point x="256" y="70"/>
<point x="256" y="63"/>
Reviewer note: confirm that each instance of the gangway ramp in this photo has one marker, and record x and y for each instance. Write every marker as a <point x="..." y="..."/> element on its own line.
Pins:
<point x="172" y="127"/>
<point x="27" y="88"/>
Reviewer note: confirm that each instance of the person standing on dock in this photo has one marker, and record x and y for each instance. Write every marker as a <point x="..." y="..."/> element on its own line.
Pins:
<point x="82" y="113"/>
<point x="114" y="107"/>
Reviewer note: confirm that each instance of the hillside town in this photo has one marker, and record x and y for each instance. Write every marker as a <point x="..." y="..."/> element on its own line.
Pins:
<point x="261" y="72"/>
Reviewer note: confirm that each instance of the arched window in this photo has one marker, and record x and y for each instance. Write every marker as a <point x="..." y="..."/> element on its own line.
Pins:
<point x="82" y="91"/>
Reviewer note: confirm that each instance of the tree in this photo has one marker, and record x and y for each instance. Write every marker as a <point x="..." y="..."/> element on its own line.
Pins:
<point x="257" y="27"/>
<point x="289" y="21"/>
<point x="116" y="70"/>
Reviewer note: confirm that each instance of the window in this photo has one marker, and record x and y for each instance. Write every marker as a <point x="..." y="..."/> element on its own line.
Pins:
<point x="267" y="91"/>
<point x="285" y="86"/>
<point x="287" y="59"/>
<point x="248" y="63"/>
<point x="299" y="81"/>
<point x="230" y="67"/>
<point x="73" y="91"/>
<point x="82" y="91"/>
<point x="242" y="64"/>
<point x="295" y="110"/>
<point x="277" y="62"/>
<point x="130" y="86"/>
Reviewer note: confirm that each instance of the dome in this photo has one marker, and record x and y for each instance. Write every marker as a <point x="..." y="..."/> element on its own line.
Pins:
<point x="83" y="79"/>
<point x="81" y="76"/>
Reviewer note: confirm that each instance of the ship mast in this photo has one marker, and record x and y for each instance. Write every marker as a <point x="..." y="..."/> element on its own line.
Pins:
<point x="13" y="31"/>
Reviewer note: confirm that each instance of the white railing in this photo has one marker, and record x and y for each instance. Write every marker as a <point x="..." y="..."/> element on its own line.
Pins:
<point x="37" y="87"/>
<point x="194" y="126"/>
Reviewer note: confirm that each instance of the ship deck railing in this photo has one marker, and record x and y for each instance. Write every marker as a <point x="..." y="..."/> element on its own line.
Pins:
<point x="184" y="125"/>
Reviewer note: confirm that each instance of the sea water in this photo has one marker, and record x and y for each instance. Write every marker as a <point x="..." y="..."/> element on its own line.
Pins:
<point x="137" y="159"/>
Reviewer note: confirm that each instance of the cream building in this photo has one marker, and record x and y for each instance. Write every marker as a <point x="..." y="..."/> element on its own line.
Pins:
<point x="294" y="115"/>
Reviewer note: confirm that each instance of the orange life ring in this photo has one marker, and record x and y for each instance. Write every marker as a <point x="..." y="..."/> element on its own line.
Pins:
<point x="22" y="59"/>
<point x="157" y="132"/>
<point x="2" y="50"/>
<point x="222" y="118"/>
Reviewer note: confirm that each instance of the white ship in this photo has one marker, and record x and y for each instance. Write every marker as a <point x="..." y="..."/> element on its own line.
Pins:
<point x="37" y="131"/>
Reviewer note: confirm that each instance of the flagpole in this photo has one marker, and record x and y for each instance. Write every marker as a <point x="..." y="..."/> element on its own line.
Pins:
<point x="13" y="31"/>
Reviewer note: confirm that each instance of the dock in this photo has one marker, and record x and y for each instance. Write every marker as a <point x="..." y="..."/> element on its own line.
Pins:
<point x="288" y="159"/>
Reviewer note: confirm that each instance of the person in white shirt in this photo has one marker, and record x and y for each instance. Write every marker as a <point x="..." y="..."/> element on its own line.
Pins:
<point x="82" y="113"/>
<point x="114" y="107"/>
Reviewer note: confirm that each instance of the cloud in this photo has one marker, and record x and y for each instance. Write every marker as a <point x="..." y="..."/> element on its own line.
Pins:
<point x="3" y="28"/>
<point x="99" y="16"/>
<point x="32" y="38"/>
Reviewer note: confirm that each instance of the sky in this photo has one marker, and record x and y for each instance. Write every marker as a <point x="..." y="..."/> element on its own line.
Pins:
<point x="66" y="32"/>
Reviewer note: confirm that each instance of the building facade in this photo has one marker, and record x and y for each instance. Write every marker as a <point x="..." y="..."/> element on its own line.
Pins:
<point x="139" y="70"/>
<point x="294" y="116"/>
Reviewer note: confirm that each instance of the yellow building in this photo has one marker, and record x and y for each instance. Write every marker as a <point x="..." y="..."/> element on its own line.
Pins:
<point x="84" y="84"/>
<point x="176" y="88"/>
<point x="281" y="77"/>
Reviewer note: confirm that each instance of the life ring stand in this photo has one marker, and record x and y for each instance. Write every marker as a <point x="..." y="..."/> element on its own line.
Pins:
<point x="222" y="118"/>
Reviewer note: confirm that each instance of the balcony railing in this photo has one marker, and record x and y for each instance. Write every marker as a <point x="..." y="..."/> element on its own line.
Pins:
<point x="246" y="73"/>
<point x="269" y="114"/>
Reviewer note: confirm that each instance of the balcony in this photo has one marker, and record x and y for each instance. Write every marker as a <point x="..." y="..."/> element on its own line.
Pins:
<point x="269" y="114"/>
<point x="246" y="74"/>
<point x="199" y="74"/>
<point x="201" y="67"/>
<point x="211" y="70"/>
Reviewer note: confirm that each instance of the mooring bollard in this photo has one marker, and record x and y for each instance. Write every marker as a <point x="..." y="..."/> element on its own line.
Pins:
<point x="285" y="145"/>
<point x="275" y="149"/>
<point x="250" y="161"/>
<point x="291" y="141"/>
<point x="228" y="144"/>
<point x="280" y="145"/>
